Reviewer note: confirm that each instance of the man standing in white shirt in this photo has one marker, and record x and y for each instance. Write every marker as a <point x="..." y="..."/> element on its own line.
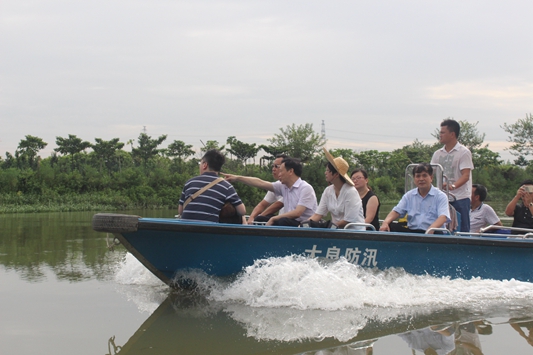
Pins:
<point x="456" y="160"/>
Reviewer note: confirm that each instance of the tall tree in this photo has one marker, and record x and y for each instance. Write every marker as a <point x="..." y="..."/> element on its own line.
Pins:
<point x="300" y="142"/>
<point x="211" y="145"/>
<point x="9" y="162"/>
<point x="484" y="157"/>
<point x="71" y="146"/>
<point x="180" y="150"/>
<point x="521" y="135"/>
<point x="106" y="151"/>
<point x="147" y="148"/>
<point x="271" y="151"/>
<point x="27" y="150"/>
<point x="242" y="151"/>
<point x="418" y="151"/>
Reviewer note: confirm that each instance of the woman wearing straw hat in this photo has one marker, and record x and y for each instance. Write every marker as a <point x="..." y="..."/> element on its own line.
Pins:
<point x="341" y="199"/>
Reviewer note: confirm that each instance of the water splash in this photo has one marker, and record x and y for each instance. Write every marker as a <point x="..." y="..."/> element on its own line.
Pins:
<point x="309" y="284"/>
<point x="304" y="283"/>
<point x="139" y="285"/>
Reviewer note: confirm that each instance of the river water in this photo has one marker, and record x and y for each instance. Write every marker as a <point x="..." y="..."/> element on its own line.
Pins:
<point x="63" y="292"/>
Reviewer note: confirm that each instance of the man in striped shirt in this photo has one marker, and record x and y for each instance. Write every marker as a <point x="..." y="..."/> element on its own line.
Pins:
<point x="207" y="205"/>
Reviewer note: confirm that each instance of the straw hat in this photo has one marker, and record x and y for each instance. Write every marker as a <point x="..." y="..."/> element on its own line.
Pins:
<point x="340" y="165"/>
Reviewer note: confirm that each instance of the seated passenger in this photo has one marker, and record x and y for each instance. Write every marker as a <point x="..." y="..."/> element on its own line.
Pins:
<point x="299" y="197"/>
<point x="339" y="198"/>
<point x="368" y="197"/>
<point x="426" y="206"/>
<point x="481" y="215"/>
<point x="207" y="205"/>
<point x="522" y="212"/>
<point x="271" y="203"/>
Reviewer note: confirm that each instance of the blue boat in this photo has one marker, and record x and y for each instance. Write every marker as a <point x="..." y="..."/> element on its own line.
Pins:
<point x="168" y="247"/>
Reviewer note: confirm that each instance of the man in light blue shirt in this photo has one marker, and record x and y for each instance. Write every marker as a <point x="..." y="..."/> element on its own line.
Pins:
<point x="426" y="206"/>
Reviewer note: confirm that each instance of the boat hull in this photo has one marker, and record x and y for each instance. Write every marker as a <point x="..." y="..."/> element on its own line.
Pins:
<point x="168" y="246"/>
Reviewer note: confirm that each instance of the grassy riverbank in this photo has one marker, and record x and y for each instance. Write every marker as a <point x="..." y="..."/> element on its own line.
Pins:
<point x="19" y="203"/>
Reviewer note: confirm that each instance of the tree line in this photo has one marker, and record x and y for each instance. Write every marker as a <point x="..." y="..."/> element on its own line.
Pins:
<point x="80" y="175"/>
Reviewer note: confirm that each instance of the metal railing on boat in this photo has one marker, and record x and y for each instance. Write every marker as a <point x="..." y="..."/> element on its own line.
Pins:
<point x="483" y="232"/>
<point x="442" y="230"/>
<point x="356" y="225"/>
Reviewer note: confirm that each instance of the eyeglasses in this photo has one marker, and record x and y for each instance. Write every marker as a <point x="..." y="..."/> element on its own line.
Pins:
<point x="277" y="166"/>
<point x="357" y="178"/>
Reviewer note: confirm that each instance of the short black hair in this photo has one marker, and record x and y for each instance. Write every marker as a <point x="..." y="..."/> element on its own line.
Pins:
<point x="282" y="156"/>
<point x="214" y="159"/>
<point x="294" y="164"/>
<point x="423" y="168"/>
<point x="480" y="191"/>
<point x="526" y="182"/>
<point x="331" y="168"/>
<point x="453" y="126"/>
<point x="334" y="171"/>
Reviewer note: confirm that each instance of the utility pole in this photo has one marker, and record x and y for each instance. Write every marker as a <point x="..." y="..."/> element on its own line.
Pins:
<point x="323" y="131"/>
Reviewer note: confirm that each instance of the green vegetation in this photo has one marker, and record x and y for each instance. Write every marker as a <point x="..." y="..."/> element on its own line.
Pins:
<point x="110" y="178"/>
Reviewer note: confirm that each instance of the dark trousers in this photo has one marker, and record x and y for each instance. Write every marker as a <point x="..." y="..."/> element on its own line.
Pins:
<point x="263" y="218"/>
<point x="287" y="222"/>
<point x="397" y="227"/>
<point x="463" y="207"/>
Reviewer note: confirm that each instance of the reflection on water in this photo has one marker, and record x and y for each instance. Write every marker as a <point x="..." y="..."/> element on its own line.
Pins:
<point x="61" y="241"/>
<point x="282" y="309"/>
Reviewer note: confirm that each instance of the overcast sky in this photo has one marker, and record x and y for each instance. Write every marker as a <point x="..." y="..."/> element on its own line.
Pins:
<point x="380" y="74"/>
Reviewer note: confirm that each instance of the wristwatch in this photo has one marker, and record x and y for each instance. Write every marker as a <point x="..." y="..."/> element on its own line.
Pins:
<point x="453" y="187"/>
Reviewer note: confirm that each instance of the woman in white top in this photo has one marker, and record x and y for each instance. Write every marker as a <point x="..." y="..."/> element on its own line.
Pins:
<point x="341" y="199"/>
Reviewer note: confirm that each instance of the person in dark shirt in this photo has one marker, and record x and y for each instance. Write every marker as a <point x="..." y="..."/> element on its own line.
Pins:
<point x="207" y="205"/>
<point x="522" y="212"/>
<point x="370" y="200"/>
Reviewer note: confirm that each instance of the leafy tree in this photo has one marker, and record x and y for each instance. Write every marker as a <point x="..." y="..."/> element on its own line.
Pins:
<point x="211" y="145"/>
<point x="483" y="157"/>
<point x="71" y="146"/>
<point x="367" y="160"/>
<point x="271" y="151"/>
<point x="130" y="142"/>
<point x="106" y="151"/>
<point x="418" y="152"/>
<point x="346" y="154"/>
<point x="521" y="135"/>
<point x="469" y="135"/>
<point x="521" y="161"/>
<point x="147" y="148"/>
<point x="242" y="151"/>
<point x="300" y="142"/>
<point x="26" y="153"/>
<point x="180" y="150"/>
